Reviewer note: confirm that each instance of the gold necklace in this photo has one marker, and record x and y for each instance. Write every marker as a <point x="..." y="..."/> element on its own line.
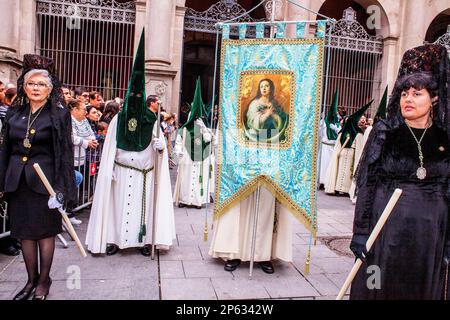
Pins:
<point x="26" y="141"/>
<point x="421" y="172"/>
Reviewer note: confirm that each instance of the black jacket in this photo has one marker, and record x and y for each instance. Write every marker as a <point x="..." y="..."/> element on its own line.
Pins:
<point x="56" y="159"/>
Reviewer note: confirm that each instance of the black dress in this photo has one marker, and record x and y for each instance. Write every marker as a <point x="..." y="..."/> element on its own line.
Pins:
<point x="31" y="219"/>
<point x="409" y="250"/>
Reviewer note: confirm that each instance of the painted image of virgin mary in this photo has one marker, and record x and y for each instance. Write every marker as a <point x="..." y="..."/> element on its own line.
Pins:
<point x="265" y="120"/>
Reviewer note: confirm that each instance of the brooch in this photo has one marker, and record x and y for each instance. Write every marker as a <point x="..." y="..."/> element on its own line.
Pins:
<point x="132" y="124"/>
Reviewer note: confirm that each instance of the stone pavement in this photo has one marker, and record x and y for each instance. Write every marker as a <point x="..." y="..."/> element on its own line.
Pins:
<point x="188" y="272"/>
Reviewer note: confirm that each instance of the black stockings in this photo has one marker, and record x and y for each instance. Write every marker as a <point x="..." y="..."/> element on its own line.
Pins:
<point x="30" y="255"/>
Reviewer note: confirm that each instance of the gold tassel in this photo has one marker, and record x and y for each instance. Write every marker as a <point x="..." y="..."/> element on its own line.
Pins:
<point x="308" y="259"/>
<point x="205" y="232"/>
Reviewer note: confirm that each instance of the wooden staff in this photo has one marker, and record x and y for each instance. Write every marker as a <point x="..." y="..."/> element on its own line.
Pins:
<point x="373" y="236"/>
<point x="52" y="193"/>
<point x="155" y="180"/>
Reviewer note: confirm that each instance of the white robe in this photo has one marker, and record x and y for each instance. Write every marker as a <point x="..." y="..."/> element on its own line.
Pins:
<point x="326" y="154"/>
<point x="116" y="209"/>
<point x="340" y="170"/>
<point x="187" y="187"/>
<point x="233" y="231"/>
<point x="358" y="152"/>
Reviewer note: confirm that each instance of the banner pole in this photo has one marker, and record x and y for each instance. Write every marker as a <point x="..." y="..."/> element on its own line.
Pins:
<point x="155" y="182"/>
<point x="255" y="224"/>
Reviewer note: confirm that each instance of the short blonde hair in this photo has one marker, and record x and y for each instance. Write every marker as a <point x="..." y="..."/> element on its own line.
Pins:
<point x="41" y="72"/>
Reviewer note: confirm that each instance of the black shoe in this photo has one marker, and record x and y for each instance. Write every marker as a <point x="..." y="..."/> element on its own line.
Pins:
<point x="267" y="266"/>
<point x="44" y="296"/>
<point x="25" y="293"/>
<point x="198" y="207"/>
<point x="231" y="265"/>
<point x="145" y="251"/>
<point x="181" y="205"/>
<point x="10" y="250"/>
<point x="111" y="249"/>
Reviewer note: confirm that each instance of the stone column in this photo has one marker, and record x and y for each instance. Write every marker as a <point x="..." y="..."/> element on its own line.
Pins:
<point x="415" y="24"/>
<point x="9" y="40"/>
<point x="390" y="64"/>
<point x="141" y="16"/>
<point x="159" y="64"/>
<point x="295" y="13"/>
<point x="159" y="25"/>
<point x="28" y="28"/>
<point x="177" y="51"/>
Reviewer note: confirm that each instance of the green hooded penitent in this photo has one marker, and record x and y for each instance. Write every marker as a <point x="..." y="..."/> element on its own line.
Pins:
<point x="332" y="117"/>
<point x="381" y="111"/>
<point x="197" y="148"/>
<point x="135" y="120"/>
<point x="350" y="127"/>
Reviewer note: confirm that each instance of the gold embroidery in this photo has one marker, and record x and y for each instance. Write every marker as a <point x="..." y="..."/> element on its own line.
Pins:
<point x="132" y="124"/>
<point x="309" y="222"/>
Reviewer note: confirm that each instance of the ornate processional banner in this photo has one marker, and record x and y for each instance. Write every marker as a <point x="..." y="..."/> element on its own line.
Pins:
<point x="270" y="96"/>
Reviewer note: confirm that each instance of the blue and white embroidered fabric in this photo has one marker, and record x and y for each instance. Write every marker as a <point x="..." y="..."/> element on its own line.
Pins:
<point x="321" y="28"/>
<point x="242" y="31"/>
<point x="281" y="29"/>
<point x="226" y="31"/>
<point x="260" y="31"/>
<point x="290" y="170"/>
<point x="300" y="26"/>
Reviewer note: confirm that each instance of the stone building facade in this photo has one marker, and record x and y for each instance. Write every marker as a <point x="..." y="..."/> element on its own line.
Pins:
<point x="398" y="26"/>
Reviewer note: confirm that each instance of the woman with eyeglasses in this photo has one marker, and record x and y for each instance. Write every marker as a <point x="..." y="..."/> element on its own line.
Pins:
<point x="37" y="129"/>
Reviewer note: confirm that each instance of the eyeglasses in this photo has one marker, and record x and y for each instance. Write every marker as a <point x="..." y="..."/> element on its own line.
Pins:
<point x="85" y="95"/>
<point x="40" y="85"/>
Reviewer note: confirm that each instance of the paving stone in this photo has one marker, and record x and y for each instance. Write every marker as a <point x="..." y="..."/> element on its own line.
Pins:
<point x="188" y="272"/>
<point x="8" y="289"/>
<point x="189" y="240"/>
<point x="205" y="269"/>
<point x="334" y="265"/>
<point x="323" y="285"/>
<point x="318" y="251"/>
<point x="188" y="289"/>
<point x="240" y="288"/>
<point x="171" y="269"/>
<point x="118" y="289"/>
<point x="290" y="287"/>
<point x="182" y="253"/>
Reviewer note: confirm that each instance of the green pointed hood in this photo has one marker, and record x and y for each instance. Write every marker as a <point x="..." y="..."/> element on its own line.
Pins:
<point x="332" y="117"/>
<point x="135" y="121"/>
<point x="197" y="148"/>
<point x="381" y="111"/>
<point x="350" y="127"/>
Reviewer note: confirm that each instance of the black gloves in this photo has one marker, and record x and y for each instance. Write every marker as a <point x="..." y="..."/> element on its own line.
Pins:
<point x="358" y="246"/>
